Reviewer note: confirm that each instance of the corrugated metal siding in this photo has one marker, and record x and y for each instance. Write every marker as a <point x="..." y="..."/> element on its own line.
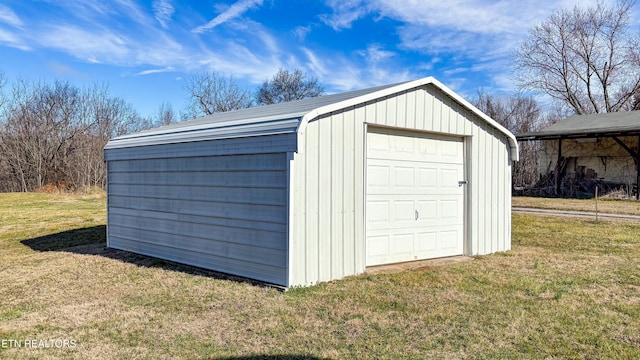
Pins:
<point x="250" y="145"/>
<point x="328" y="210"/>
<point x="225" y="213"/>
<point x="490" y="200"/>
<point x="328" y="207"/>
<point x="180" y="133"/>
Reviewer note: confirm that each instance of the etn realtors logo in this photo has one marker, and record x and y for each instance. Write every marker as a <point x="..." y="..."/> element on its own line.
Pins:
<point x="37" y="343"/>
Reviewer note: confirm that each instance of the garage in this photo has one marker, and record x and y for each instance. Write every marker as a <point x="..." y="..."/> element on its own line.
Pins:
<point x="415" y="196"/>
<point x="314" y="190"/>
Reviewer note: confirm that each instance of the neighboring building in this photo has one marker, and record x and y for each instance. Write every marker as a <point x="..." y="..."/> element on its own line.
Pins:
<point x="316" y="189"/>
<point x="596" y="149"/>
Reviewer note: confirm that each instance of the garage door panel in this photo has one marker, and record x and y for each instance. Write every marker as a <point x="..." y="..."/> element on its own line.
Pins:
<point x="428" y="210"/>
<point x="379" y="176"/>
<point x="404" y="177"/>
<point x="403" y="144"/>
<point x="378" y="143"/>
<point x="451" y="150"/>
<point x="428" y="179"/>
<point x="422" y="215"/>
<point x="378" y="246"/>
<point x="402" y="247"/>
<point x="404" y="211"/>
<point x="378" y="212"/>
<point x="427" y="147"/>
<point x="427" y="241"/>
<point x="383" y="249"/>
<point x="449" y="180"/>
<point x="450" y="209"/>
<point x="392" y="213"/>
<point x="395" y="177"/>
<point x="449" y="243"/>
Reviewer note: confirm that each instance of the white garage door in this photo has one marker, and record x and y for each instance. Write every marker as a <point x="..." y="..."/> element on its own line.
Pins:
<point x="414" y="199"/>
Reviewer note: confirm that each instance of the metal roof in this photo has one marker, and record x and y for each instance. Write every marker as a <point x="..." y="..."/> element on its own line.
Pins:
<point x="284" y="118"/>
<point x="272" y="119"/>
<point x="624" y="123"/>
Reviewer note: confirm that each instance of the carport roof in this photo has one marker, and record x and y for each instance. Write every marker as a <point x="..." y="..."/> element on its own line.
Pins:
<point x="624" y="123"/>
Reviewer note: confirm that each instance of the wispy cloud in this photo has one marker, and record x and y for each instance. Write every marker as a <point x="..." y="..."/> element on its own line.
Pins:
<point x="315" y="64"/>
<point x="235" y="10"/>
<point x="376" y="54"/>
<point x="135" y="11"/>
<point x="7" y="16"/>
<point x="87" y="45"/>
<point x="301" y="32"/>
<point x="156" y="71"/>
<point x="345" y="12"/>
<point x="435" y="26"/>
<point x="13" y="41"/>
<point x="163" y="11"/>
<point x="456" y="40"/>
<point x="483" y="32"/>
<point x="370" y="67"/>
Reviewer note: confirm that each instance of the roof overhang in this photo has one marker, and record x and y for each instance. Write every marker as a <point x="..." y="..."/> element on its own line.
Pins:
<point x="513" y="142"/>
<point x="286" y="118"/>
<point x="208" y="131"/>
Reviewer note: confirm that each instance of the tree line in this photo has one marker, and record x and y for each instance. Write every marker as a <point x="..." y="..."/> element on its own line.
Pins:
<point x="54" y="133"/>
<point x="586" y="59"/>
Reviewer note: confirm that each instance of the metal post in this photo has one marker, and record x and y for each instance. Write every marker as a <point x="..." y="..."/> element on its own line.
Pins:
<point x="638" y="170"/>
<point x="596" y="204"/>
<point x="558" y="177"/>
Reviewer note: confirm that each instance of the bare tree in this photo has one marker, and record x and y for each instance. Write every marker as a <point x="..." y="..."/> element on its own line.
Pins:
<point x="3" y="83"/>
<point x="518" y="114"/>
<point x="211" y="92"/>
<point x="103" y="117"/>
<point x="39" y="130"/>
<point x="165" y="114"/>
<point x="55" y="134"/>
<point x="587" y="58"/>
<point x="287" y="86"/>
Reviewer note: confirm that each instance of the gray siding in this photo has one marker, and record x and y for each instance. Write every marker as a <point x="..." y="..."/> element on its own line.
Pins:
<point x="328" y="172"/>
<point x="225" y="213"/>
<point x="248" y="145"/>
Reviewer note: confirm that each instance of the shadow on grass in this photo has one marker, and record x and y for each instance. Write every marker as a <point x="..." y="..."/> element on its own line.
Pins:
<point x="93" y="241"/>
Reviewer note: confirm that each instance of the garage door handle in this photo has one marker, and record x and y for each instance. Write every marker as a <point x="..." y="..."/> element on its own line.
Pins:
<point x="462" y="182"/>
<point x="417" y="214"/>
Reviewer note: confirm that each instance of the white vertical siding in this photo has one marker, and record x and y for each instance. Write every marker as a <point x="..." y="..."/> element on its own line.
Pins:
<point x="311" y="190"/>
<point x="337" y="197"/>
<point x="324" y="205"/>
<point x="225" y="213"/>
<point x="358" y="154"/>
<point x="329" y="176"/>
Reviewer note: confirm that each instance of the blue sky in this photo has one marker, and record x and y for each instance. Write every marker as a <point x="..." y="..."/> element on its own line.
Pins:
<point x="145" y="49"/>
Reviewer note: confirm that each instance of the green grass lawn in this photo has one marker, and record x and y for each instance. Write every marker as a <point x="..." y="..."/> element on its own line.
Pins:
<point x="570" y="288"/>
<point x="605" y="205"/>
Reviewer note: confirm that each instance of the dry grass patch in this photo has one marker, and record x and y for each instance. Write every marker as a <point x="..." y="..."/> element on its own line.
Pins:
<point x="569" y="288"/>
<point x="605" y="205"/>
